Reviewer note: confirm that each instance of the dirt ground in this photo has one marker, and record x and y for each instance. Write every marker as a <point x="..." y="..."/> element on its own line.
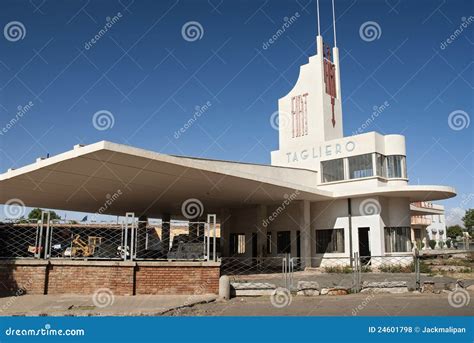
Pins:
<point x="408" y="304"/>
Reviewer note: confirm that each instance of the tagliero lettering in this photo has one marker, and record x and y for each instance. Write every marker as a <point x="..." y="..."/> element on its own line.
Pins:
<point x="321" y="151"/>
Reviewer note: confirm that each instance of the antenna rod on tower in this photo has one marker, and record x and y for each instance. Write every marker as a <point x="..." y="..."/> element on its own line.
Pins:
<point x="317" y="8"/>
<point x="334" y="23"/>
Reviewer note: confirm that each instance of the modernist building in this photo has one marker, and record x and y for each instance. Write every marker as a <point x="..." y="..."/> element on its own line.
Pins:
<point x="324" y="195"/>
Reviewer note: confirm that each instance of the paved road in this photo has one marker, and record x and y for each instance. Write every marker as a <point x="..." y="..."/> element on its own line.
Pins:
<point x="408" y="304"/>
<point x="104" y="304"/>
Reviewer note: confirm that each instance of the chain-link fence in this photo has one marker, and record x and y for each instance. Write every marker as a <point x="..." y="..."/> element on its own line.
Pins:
<point x="18" y="240"/>
<point x="129" y="240"/>
<point x="326" y="271"/>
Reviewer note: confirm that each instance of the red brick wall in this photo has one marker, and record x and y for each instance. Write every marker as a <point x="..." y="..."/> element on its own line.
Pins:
<point x="122" y="279"/>
<point x="80" y="279"/>
<point x="177" y="280"/>
<point x="30" y="279"/>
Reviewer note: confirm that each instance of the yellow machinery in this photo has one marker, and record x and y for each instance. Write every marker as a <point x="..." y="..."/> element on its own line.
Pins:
<point x="79" y="248"/>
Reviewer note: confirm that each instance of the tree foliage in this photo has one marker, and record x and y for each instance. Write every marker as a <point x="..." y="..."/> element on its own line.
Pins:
<point x="35" y="214"/>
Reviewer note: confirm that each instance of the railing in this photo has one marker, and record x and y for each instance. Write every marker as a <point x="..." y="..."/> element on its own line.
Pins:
<point x="423" y="204"/>
<point x="420" y="220"/>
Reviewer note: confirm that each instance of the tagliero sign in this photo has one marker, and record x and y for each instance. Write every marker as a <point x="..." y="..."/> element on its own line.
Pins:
<point x="322" y="151"/>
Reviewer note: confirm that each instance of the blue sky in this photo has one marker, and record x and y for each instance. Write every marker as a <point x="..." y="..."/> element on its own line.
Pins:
<point x="151" y="79"/>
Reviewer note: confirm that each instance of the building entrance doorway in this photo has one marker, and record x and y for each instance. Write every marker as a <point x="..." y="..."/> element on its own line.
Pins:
<point x="364" y="247"/>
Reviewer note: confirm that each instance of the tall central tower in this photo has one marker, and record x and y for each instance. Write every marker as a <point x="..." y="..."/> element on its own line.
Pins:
<point x="311" y="113"/>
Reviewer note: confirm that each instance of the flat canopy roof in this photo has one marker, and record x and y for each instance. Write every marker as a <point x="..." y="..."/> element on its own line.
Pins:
<point x="114" y="179"/>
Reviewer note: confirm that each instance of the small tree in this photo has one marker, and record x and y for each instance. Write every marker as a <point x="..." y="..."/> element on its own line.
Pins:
<point x="35" y="214"/>
<point x="468" y="219"/>
<point x="454" y="231"/>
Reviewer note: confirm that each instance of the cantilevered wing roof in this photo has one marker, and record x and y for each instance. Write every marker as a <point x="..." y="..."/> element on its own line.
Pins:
<point x="150" y="183"/>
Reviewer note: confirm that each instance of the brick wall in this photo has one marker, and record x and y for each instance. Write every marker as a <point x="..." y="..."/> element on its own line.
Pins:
<point x="122" y="278"/>
<point x="22" y="278"/>
<point x="177" y="280"/>
<point x="83" y="279"/>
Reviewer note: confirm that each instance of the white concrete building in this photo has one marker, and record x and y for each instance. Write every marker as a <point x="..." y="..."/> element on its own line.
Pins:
<point x="324" y="195"/>
<point x="428" y="223"/>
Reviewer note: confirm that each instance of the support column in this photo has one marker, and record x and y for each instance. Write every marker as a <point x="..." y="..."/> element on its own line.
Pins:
<point x="261" y="230"/>
<point x="224" y="221"/>
<point x="305" y="228"/>
<point x="165" y="233"/>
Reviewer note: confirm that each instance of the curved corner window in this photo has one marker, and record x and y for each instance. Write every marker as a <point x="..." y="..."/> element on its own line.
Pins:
<point x="396" y="166"/>
<point x="332" y="170"/>
<point x="360" y="166"/>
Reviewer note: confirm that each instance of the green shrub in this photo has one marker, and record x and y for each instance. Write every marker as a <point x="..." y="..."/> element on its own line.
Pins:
<point x="432" y="243"/>
<point x="441" y="244"/>
<point x="448" y="243"/>
<point x="338" y="269"/>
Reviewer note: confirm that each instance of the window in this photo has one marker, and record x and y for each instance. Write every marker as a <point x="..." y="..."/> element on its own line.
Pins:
<point x="269" y="242"/>
<point x="283" y="242"/>
<point x="237" y="243"/>
<point x="395" y="166"/>
<point x="329" y="241"/>
<point x="380" y="165"/>
<point x="397" y="239"/>
<point x="332" y="170"/>
<point x="360" y="166"/>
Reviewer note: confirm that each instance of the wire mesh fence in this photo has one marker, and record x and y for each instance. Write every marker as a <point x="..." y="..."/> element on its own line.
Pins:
<point x="129" y="240"/>
<point x="18" y="240"/>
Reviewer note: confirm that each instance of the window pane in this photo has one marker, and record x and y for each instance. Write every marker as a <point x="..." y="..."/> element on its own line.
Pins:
<point x="283" y="242"/>
<point x="397" y="239"/>
<point x="332" y="170"/>
<point x="395" y="166"/>
<point x="330" y="241"/>
<point x="380" y="165"/>
<point x="237" y="243"/>
<point x="360" y="166"/>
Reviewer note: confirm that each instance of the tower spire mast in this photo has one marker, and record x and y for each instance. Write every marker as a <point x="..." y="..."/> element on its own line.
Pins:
<point x="334" y="23"/>
<point x="319" y="26"/>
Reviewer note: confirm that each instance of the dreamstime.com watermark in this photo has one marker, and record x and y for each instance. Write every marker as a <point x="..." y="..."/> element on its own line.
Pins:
<point x="103" y="297"/>
<point x="458" y="120"/>
<point x="14" y="209"/>
<point x="287" y="22"/>
<point x="369" y="207"/>
<point x="281" y="297"/>
<point x="110" y="22"/>
<point x="46" y="331"/>
<point x="465" y="22"/>
<point x="370" y="31"/>
<point x="280" y="209"/>
<point x="110" y="199"/>
<point x="21" y="111"/>
<point x="192" y="31"/>
<point x="280" y="120"/>
<point x="103" y="120"/>
<point x="377" y="110"/>
<point x="199" y="111"/>
<point x="459" y="297"/>
<point x="192" y="208"/>
<point x="19" y="292"/>
<point x="14" y="31"/>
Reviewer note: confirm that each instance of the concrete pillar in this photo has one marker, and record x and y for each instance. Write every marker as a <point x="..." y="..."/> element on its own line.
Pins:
<point x="224" y="222"/>
<point x="165" y="233"/>
<point x="261" y="230"/>
<point x="305" y="232"/>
